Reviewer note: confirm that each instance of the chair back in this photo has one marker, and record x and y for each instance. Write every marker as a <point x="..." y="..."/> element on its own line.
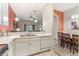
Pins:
<point x="75" y="38"/>
<point x="60" y="34"/>
<point x="66" y="36"/>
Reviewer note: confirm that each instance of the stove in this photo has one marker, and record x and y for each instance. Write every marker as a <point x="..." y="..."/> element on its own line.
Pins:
<point x="3" y="49"/>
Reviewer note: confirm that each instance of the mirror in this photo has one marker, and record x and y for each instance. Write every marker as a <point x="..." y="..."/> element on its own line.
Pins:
<point x="27" y="26"/>
<point x="28" y="17"/>
<point x="21" y="17"/>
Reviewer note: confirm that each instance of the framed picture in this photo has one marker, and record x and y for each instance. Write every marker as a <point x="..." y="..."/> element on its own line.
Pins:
<point x="74" y="25"/>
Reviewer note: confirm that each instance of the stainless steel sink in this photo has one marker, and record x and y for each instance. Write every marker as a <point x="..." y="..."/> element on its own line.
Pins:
<point x="27" y="35"/>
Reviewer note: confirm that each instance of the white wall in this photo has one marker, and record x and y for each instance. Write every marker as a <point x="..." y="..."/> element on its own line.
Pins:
<point x="48" y="19"/>
<point x="68" y="19"/>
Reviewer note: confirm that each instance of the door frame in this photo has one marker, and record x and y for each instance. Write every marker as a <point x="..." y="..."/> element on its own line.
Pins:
<point x="54" y="25"/>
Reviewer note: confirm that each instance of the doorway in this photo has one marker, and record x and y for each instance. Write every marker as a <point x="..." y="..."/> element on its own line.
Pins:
<point x="56" y="27"/>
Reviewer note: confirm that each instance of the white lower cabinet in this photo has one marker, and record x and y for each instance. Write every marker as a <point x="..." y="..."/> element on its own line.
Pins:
<point x="29" y="46"/>
<point x="22" y="49"/>
<point x="45" y="43"/>
<point x="35" y="45"/>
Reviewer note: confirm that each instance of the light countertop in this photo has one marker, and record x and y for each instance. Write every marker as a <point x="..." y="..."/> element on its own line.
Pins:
<point x="9" y="39"/>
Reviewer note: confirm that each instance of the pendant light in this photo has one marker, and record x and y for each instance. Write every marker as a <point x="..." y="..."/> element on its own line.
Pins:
<point x="75" y="16"/>
<point x="17" y="19"/>
<point x="33" y="17"/>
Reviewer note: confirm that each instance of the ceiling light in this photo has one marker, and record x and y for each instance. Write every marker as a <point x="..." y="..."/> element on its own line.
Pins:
<point x="40" y="28"/>
<point x="75" y="16"/>
<point x="16" y="19"/>
<point x="35" y="21"/>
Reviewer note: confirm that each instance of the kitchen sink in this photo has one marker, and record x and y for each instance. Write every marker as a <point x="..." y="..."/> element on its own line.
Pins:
<point x="27" y="35"/>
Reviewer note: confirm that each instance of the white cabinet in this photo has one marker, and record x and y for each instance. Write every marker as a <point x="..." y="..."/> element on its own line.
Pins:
<point x="35" y="45"/>
<point x="45" y="43"/>
<point x="26" y="46"/>
<point x="21" y="47"/>
<point x="32" y="45"/>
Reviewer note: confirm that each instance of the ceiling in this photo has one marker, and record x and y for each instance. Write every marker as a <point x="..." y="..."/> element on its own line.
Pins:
<point x="24" y="11"/>
<point x="64" y="6"/>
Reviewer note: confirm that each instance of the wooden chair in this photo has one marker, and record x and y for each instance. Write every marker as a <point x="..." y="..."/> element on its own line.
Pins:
<point x="60" y="35"/>
<point x="66" y="40"/>
<point x="75" y="42"/>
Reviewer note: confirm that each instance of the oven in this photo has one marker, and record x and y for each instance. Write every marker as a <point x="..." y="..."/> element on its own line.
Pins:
<point x="3" y="49"/>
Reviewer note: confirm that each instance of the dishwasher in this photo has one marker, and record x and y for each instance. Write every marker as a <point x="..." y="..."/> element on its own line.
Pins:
<point x="3" y="49"/>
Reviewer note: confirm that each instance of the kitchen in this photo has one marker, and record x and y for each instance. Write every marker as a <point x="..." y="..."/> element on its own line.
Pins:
<point x="25" y="34"/>
<point x="33" y="29"/>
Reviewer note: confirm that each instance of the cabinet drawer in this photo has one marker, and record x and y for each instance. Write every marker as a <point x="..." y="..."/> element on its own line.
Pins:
<point x="35" y="38"/>
<point x="46" y="37"/>
<point x="21" y="40"/>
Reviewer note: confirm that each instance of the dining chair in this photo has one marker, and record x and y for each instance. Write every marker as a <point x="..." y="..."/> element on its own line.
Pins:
<point x="75" y="42"/>
<point x="66" y="40"/>
<point x="60" y="36"/>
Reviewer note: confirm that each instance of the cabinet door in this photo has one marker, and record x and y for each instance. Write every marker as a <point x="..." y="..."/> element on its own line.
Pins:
<point x="45" y="42"/>
<point x="22" y="48"/>
<point x="35" y="45"/>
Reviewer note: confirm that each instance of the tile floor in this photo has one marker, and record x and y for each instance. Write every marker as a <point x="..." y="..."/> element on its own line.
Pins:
<point x="57" y="51"/>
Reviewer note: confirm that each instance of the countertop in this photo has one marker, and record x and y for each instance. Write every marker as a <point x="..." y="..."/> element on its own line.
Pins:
<point x="9" y="39"/>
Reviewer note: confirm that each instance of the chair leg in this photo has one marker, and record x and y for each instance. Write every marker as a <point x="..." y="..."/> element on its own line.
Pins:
<point x="70" y="47"/>
<point x="73" y="48"/>
<point x="61" y="43"/>
<point x="66" y="44"/>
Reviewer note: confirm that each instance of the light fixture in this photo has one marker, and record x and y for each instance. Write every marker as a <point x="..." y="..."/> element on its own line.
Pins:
<point x="16" y="19"/>
<point x="35" y="21"/>
<point x="75" y="16"/>
<point x="33" y="16"/>
<point x="17" y="29"/>
<point x="31" y="19"/>
<point x="40" y="28"/>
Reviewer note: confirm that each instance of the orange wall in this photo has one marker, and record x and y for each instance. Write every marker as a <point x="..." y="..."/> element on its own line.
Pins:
<point x="12" y="16"/>
<point x="61" y="18"/>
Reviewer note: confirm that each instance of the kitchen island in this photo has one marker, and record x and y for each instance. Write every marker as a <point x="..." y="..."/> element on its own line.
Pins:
<point x="23" y="45"/>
